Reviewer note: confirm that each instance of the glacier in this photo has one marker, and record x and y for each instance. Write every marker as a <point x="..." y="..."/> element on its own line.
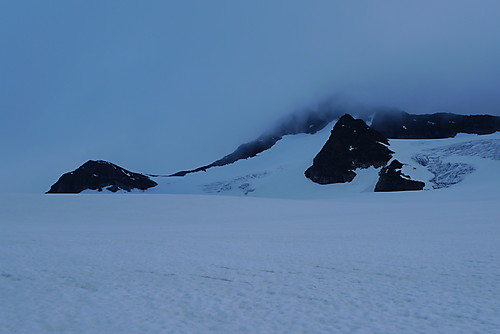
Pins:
<point x="271" y="253"/>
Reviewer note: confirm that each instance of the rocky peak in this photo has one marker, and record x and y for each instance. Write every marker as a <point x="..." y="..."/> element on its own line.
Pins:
<point x="352" y="144"/>
<point x="99" y="174"/>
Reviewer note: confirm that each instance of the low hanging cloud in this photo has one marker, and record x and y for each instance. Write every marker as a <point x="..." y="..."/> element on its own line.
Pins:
<point x="169" y="85"/>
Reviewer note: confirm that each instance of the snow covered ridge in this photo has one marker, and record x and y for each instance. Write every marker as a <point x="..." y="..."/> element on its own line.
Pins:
<point x="391" y="123"/>
<point x="279" y="170"/>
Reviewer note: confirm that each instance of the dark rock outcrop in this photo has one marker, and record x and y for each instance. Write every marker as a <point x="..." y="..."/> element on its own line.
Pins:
<point x="96" y="175"/>
<point x="352" y="144"/>
<point x="399" y="124"/>
<point x="392" y="179"/>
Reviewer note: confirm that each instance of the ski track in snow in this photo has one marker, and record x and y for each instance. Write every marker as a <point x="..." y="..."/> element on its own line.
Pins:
<point x="420" y="262"/>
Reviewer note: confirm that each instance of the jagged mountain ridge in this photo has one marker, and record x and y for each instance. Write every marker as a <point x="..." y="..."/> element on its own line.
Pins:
<point x="257" y="174"/>
<point x="401" y="125"/>
<point x="391" y="123"/>
<point x="279" y="172"/>
<point x="352" y="145"/>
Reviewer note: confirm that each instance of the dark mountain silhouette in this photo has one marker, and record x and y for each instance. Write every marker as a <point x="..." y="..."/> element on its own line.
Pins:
<point x="96" y="175"/>
<point x="401" y="125"/>
<point x="352" y="144"/>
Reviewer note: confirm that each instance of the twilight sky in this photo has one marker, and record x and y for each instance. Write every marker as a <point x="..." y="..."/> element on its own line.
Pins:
<point x="158" y="86"/>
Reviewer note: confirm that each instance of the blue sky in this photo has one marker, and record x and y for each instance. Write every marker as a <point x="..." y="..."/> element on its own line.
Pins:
<point x="158" y="86"/>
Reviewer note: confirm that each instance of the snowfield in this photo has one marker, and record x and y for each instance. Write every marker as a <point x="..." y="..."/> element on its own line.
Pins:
<point x="415" y="262"/>
<point x="282" y="255"/>
<point x="279" y="171"/>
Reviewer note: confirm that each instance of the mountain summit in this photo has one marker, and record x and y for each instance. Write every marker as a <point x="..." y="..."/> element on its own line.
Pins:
<point x="352" y="144"/>
<point x="352" y="151"/>
<point x="96" y="175"/>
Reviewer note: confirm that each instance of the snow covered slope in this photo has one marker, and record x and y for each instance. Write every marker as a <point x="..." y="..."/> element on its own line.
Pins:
<point x="413" y="262"/>
<point x="321" y="259"/>
<point x="279" y="171"/>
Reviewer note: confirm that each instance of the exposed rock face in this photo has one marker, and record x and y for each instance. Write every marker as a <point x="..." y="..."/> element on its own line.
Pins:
<point x="352" y="144"/>
<point x="398" y="124"/>
<point x="96" y="175"/>
<point x="392" y="179"/>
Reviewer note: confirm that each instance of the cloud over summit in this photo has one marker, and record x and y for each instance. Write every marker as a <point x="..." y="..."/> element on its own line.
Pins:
<point x="131" y="82"/>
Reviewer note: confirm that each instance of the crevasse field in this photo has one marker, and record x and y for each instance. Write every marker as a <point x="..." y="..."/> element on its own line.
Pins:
<point x="290" y="259"/>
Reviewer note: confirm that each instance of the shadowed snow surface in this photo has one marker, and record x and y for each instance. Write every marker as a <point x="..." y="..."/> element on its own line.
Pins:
<point x="418" y="262"/>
